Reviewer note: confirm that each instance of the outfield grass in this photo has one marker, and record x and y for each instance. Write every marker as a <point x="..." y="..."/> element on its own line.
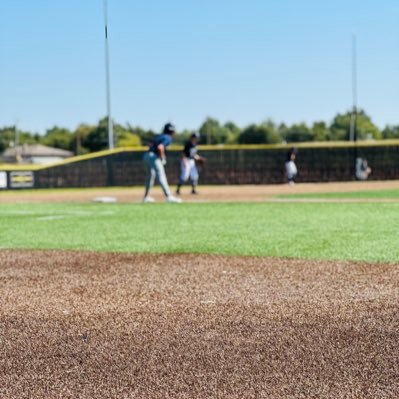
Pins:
<point x="363" y="231"/>
<point x="368" y="194"/>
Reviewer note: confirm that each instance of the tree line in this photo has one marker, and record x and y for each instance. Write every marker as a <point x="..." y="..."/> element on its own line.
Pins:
<point x="90" y="138"/>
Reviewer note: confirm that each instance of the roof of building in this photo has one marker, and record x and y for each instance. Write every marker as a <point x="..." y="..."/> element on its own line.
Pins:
<point x="36" y="150"/>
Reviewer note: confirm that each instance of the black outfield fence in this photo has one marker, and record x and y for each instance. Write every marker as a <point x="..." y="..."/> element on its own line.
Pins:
<point x="316" y="162"/>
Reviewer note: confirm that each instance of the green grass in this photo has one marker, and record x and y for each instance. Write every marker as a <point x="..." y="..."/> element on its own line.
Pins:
<point x="368" y="194"/>
<point x="365" y="231"/>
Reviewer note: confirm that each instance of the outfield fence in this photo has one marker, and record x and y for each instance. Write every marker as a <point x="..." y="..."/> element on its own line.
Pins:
<point x="245" y="164"/>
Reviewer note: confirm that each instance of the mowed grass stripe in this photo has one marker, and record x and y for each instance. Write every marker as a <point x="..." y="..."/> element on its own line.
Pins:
<point x="368" y="194"/>
<point x="364" y="231"/>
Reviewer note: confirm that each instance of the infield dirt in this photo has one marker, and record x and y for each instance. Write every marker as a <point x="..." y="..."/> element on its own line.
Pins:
<point x="237" y="193"/>
<point x="87" y="325"/>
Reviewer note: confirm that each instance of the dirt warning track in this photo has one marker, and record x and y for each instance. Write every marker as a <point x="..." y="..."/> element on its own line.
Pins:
<point x="87" y="325"/>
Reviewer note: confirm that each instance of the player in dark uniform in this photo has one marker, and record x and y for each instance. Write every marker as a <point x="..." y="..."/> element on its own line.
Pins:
<point x="188" y="167"/>
<point x="155" y="160"/>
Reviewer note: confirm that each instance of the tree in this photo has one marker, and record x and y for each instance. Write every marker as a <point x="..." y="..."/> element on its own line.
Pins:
<point x="182" y="137"/>
<point x="365" y="128"/>
<point x="59" y="138"/>
<point x="320" y="131"/>
<point x="282" y="130"/>
<point x="298" y="133"/>
<point x="391" y="132"/>
<point x="89" y="138"/>
<point x="233" y="132"/>
<point x="266" y="133"/>
<point x="212" y="132"/>
<point x="7" y="137"/>
<point x="146" y="136"/>
<point x="79" y="137"/>
<point x="125" y="138"/>
<point x="97" y="138"/>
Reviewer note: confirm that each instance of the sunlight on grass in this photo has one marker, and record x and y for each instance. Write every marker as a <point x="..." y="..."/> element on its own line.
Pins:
<point x="324" y="231"/>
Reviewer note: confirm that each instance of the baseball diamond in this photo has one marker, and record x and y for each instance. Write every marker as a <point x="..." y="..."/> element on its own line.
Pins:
<point x="199" y="200"/>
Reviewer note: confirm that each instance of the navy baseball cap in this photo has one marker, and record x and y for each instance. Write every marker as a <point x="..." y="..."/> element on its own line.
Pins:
<point x="169" y="128"/>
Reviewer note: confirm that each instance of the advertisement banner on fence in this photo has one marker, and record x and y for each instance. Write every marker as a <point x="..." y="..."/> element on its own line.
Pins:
<point x="21" y="179"/>
<point x="3" y="180"/>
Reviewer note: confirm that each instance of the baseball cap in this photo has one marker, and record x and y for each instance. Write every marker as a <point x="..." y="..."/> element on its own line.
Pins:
<point x="169" y="128"/>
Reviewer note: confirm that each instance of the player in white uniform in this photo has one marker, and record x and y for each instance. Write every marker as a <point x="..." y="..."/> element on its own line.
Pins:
<point x="290" y="166"/>
<point x="188" y="167"/>
<point x="362" y="169"/>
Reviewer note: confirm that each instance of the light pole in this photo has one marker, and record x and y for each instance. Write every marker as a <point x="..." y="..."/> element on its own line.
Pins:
<point x="353" y="125"/>
<point x="16" y="138"/>
<point x="108" y="80"/>
<point x="353" y="129"/>
<point x="16" y="145"/>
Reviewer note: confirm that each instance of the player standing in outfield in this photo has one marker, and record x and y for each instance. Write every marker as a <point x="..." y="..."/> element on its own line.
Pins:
<point x="290" y="166"/>
<point x="362" y="169"/>
<point x="188" y="167"/>
<point x="155" y="160"/>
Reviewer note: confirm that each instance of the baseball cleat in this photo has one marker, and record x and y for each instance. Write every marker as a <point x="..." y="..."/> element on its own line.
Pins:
<point x="173" y="199"/>
<point x="148" y="200"/>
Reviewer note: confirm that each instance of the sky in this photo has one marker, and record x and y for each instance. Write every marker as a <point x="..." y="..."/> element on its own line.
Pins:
<point x="182" y="61"/>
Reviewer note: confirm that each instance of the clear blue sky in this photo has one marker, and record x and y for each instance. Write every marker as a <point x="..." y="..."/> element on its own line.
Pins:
<point x="240" y="60"/>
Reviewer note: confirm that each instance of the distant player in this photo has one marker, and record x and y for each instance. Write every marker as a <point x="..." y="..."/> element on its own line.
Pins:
<point x="362" y="169"/>
<point x="155" y="160"/>
<point x="290" y="166"/>
<point x="188" y="167"/>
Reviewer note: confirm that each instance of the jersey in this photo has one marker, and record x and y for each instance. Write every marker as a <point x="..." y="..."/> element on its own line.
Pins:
<point x="164" y="139"/>
<point x="190" y="150"/>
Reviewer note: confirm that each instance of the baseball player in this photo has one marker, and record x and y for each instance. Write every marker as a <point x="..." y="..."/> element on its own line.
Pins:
<point x="290" y="166"/>
<point x="155" y="160"/>
<point x="188" y="167"/>
<point x="362" y="169"/>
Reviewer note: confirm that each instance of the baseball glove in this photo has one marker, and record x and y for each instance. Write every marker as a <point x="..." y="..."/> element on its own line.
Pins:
<point x="201" y="161"/>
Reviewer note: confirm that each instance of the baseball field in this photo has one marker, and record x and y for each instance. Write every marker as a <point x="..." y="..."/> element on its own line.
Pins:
<point x="240" y="292"/>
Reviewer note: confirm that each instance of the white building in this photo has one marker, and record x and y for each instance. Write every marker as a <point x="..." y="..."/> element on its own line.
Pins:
<point x="34" y="154"/>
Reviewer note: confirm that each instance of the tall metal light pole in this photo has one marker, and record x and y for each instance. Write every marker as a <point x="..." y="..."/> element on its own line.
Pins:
<point x="16" y="144"/>
<point x="16" y="138"/>
<point x="353" y="127"/>
<point x="108" y="80"/>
